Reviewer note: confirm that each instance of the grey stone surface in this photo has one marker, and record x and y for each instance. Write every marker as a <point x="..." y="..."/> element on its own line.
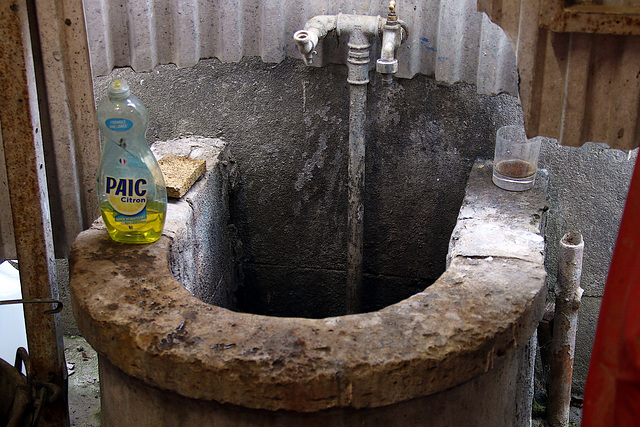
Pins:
<point x="587" y="192"/>
<point x="500" y="213"/>
<point x="287" y="126"/>
<point x="464" y="405"/>
<point x="84" y="382"/>
<point x="67" y="322"/>
<point x="492" y="224"/>
<point x="202" y="257"/>
<point x="587" y="322"/>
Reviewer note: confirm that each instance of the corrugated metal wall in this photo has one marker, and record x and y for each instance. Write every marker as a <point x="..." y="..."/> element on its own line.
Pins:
<point x="574" y="87"/>
<point x="448" y="39"/>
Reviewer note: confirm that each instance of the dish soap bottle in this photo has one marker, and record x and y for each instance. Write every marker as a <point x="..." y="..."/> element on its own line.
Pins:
<point x="131" y="189"/>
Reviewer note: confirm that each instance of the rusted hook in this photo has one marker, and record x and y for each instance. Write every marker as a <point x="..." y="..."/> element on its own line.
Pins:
<point x="56" y="309"/>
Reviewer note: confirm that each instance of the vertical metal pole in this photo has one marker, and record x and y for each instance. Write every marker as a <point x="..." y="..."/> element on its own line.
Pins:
<point x="24" y="159"/>
<point x="358" y="63"/>
<point x="565" y="327"/>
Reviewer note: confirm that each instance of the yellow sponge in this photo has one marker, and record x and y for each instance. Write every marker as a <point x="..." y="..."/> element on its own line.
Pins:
<point x="180" y="173"/>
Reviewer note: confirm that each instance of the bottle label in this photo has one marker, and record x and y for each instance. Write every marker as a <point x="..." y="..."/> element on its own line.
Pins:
<point x="132" y="219"/>
<point x="127" y="196"/>
<point x="119" y="125"/>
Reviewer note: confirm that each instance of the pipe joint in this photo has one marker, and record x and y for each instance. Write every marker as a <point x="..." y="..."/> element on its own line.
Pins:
<point x="319" y="26"/>
<point x="358" y="58"/>
<point x="359" y="28"/>
<point x="367" y="25"/>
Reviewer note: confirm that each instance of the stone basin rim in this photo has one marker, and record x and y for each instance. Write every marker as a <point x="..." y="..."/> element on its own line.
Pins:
<point x="454" y="330"/>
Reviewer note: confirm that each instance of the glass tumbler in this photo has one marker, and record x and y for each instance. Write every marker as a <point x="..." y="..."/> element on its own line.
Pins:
<point x="516" y="159"/>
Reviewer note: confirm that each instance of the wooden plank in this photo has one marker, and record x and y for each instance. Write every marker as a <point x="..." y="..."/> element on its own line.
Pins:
<point x="625" y="102"/>
<point x="597" y="19"/>
<point x="575" y="92"/>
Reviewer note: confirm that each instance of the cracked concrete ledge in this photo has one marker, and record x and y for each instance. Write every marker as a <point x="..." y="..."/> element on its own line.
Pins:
<point x="485" y="307"/>
<point x="497" y="223"/>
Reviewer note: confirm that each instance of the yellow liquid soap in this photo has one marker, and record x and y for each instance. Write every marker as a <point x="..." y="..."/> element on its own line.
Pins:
<point x="145" y="232"/>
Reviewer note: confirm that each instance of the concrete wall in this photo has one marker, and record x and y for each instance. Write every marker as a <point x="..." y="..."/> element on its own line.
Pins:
<point x="129" y="401"/>
<point x="287" y="126"/>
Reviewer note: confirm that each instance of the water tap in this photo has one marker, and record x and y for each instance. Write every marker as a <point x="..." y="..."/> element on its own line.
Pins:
<point x="307" y="41"/>
<point x="314" y="30"/>
<point x="392" y="37"/>
<point x="393" y="31"/>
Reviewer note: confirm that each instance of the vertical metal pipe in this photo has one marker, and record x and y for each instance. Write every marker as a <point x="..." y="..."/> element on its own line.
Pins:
<point x="358" y="63"/>
<point x="24" y="159"/>
<point x="565" y="326"/>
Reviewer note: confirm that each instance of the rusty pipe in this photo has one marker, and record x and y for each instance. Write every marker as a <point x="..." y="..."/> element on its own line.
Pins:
<point x="565" y="326"/>
<point x="358" y="77"/>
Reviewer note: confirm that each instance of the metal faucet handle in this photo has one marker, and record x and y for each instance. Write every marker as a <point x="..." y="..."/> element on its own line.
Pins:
<point x="392" y="11"/>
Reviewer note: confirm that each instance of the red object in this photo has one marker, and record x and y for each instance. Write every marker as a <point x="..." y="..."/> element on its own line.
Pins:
<point x="612" y="392"/>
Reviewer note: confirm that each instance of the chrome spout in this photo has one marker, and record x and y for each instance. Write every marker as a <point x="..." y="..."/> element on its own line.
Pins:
<point x="392" y="37"/>
<point x="314" y="30"/>
<point x="387" y="64"/>
<point x="307" y="42"/>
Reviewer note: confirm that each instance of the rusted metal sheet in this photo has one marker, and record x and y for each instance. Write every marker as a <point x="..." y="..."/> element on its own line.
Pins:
<point x="575" y="87"/>
<point x="69" y="131"/>
<point x="24" y="161"/>
<point x="7" y="240"/>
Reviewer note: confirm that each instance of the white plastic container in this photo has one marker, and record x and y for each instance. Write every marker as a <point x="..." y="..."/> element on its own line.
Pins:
<point x="12" y="329"/>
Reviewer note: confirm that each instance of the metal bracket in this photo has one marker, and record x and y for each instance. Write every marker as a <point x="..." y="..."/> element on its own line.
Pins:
<point x="56" y="309"/>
